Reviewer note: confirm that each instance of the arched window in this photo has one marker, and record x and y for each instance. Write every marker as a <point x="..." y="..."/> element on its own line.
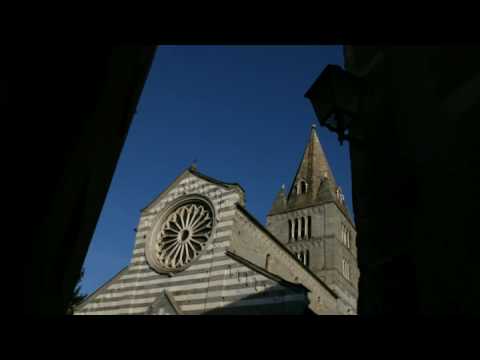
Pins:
<point x="302" y="229"/>
<point x="267" y="262"/>
<point x="290" y="229"/>
<point x="295" y="231"/>
<point x="307" y="258"/>
<point x="309" y="227"/>
<point x="346" y="269"/>
<point x="303" y="186"/>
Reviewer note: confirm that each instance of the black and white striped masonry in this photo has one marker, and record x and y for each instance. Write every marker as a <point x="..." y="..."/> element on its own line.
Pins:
<point x="230" y="275"/>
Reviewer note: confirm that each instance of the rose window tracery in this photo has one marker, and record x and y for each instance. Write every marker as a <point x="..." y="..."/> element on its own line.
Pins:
<point x="182" y="236"/>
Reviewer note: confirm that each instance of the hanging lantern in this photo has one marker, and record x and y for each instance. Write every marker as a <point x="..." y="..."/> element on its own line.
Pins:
<point x="335" y="97"/>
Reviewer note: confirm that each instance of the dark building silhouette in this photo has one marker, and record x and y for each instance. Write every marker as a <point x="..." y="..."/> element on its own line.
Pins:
<point x="82" y="98"/>
<point x="411" y="114"/>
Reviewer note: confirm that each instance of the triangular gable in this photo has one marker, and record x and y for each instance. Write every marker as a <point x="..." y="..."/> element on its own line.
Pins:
<point x="162" y="194"/>
<point x="226" y="185"/>
<point x="164" y="305"/>
<point x="185" y="174"/>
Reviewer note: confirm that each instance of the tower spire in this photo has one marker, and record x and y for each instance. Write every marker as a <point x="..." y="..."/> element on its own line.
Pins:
<point x="314" y="176"/>
<point x="313" y="168"/>
<point x="313" y="182"/>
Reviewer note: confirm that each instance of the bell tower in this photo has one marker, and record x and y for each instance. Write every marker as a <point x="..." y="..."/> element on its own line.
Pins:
<point x="312" y="220"/>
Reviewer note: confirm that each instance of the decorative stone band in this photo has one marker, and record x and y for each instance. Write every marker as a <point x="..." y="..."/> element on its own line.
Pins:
<point x="185" y="286"/>
<point x="126" y="282"/>
<point x="200" y="297"/>
<point x="195" y="294"/>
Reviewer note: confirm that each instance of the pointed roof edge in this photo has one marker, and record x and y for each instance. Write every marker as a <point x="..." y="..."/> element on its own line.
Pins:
<point x="281" y="245"/>
<point x="194" y="171"/>
<point x="172" y="302"/>
<point x="169" y="186"/>
<point x="346" y="211"/>
<point x="190" y="170"/>
<point x="313" y="134"/>
<point x="96" y="292"/>
<point x="280" y="201"/>
<point x="169" y="300"/>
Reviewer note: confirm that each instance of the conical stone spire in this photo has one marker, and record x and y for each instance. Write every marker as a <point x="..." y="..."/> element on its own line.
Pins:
<point x="313" y="170"/>
<point x="314" y="182"/>
<point x="314" y="176"/>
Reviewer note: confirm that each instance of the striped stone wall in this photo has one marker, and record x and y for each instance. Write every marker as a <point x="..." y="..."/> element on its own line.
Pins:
<point x="213" y="281"/>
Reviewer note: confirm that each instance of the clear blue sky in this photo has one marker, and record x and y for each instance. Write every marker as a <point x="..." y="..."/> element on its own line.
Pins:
<point x="239" y="110"/>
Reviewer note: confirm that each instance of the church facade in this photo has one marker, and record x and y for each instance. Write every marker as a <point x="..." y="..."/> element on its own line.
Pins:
<point x="199" y="251"/>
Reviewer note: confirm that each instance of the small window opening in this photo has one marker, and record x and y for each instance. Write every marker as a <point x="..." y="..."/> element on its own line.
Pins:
<point x="303" y="186"/>
<point x="302" y="234"/>
<point x="296" y="230"/>
<point x="309" y="227"/>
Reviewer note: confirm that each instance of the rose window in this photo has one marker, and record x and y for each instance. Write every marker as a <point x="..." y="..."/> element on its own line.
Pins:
<point x="182" y="236"/>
